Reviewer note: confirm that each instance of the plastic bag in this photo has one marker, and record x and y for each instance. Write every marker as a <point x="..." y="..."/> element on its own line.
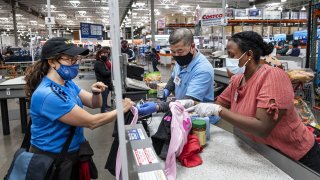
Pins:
<point x="300" y="75"/>
<point x="304" y="111"/>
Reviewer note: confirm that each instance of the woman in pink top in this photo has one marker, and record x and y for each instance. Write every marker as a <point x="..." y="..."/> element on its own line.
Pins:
<point x="259" y="101"/>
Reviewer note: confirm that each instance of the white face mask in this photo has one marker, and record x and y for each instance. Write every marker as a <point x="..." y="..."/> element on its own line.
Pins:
<point x="233" y="65"/>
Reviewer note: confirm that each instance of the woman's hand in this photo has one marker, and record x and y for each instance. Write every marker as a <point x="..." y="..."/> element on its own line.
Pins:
<point x="127" y="104"/>
<point x="206" y="109"/>
<point x="98" y="87"/>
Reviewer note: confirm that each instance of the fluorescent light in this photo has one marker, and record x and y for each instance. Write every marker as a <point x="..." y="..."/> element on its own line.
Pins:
<point x="303" y="8"/>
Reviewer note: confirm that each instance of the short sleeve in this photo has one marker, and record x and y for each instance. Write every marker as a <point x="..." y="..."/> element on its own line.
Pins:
<point x="225" y="96"/>
<point x="199" y="85"/>
<point x="54" y="107"/>
<point x="74" y="86"/>
<point x="275" y="86"/>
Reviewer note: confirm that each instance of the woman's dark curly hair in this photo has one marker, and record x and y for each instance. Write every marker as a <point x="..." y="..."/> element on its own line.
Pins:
<point x="35" y="73"/>
<point x="249" y="40"/>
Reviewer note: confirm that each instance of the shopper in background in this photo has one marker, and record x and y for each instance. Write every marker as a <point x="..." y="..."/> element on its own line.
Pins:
<point x="125" y="49"/>
<point x="283" y="49"/>
<point x="155" y="59"/>
<point x="295" y="50"/>
<point x="192" y="77"/>
<point x="57" y="102"/>
<point x="102" y="69"/>
<point x="259" y="101"/>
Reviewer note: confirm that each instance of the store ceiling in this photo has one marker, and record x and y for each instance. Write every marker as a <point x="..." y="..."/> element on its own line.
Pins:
<point x="69" y="14"/>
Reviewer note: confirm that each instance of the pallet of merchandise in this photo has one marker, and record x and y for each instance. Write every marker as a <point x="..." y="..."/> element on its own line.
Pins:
<point x="257" y="29"/>
<point x="237" y="29"/>
<point x="276" y="30"/>
<point x="284" y="30"/>
<point x="293" y="29"/>
<point x="267" y="30"/>
<point x="247" y="28"/>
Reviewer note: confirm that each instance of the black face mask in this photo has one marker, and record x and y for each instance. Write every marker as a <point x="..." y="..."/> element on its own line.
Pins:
<point x="104" y="58"/>
<point x="184" y="60"/>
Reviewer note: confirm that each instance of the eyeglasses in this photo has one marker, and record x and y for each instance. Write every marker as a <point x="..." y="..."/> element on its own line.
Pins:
<point x="73" y="60"/>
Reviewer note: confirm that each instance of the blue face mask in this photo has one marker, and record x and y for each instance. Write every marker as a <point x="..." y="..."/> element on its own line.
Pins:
<point x="68" y="72"/>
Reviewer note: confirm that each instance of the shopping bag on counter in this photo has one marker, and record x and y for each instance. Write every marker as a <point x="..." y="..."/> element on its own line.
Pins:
<point x="111" y="161"/>
<point x="134" y="111"/>
<point x="180" y="126"/>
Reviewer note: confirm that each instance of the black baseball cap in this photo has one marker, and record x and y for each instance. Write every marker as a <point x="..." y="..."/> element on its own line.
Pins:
<point x="59" y="45"/>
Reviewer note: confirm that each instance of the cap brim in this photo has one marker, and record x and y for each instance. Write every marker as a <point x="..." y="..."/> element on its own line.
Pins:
<point x="74" y="51"/>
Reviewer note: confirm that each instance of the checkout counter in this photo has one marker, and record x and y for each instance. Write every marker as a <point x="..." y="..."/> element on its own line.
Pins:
<point x="233" y="156"/>
<point x="10" y="89"/>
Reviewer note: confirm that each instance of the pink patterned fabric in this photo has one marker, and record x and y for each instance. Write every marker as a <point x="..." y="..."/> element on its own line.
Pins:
<point x="180" y="128"/>
<point x="134" y="111"/>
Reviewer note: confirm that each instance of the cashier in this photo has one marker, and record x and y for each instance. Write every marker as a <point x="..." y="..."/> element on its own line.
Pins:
<point x="259" y="101"/>
<point x="192" y="77"/>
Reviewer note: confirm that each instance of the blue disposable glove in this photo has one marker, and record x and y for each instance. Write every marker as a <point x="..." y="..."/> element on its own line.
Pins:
<point x="147" y="108"/>
<point x="166" y="93"/>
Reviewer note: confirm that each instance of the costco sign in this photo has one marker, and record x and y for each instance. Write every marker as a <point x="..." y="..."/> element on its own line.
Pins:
<point x="212" y="17"/>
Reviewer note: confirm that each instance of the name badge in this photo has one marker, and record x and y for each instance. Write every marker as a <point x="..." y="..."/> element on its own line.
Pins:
<point x="235" y="96"/>
<point x="177" y="80"/>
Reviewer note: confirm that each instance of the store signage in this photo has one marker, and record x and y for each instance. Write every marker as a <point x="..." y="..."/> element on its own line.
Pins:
<point x="91" y="32"/>
<point x="49" y="20"/>
<point x="212" y="17"/>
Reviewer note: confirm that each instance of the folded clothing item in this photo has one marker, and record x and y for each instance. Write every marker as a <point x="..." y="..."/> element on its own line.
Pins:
<point x="189" y="156"/>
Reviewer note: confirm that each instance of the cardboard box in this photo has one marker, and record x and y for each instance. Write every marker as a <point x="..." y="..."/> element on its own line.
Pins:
<point x="293" y="29"/>
<point x="284" y="30"/>
<point x="267" y="30"/>
<point x="237" y="29"/>
<point x="276" y="30"/>
<point x="228" y="30"/>
<point x="247" y="28"/>
<point x="257" y="29"/>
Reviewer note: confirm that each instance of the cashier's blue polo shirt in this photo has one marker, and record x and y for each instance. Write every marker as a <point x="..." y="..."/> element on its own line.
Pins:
<point x="47" y="132"/>
<point x="197" y="79"/>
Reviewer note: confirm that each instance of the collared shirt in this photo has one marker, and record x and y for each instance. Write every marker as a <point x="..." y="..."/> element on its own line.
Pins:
<point x="196" y="80"/>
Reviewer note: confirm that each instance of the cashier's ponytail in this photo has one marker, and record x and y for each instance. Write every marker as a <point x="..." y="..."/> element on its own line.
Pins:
<point x="34" y="75"/>
<point x="249" y="40"/>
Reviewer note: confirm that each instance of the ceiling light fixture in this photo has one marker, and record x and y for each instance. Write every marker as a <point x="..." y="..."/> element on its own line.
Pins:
<point x="227" y="5"/>
<point x="184" y="13"/>
<point x="283" y="0"/>
<point x="254" y="7"/>
<point x="82" y="13"/>
<point x="168" y="2"/>
<point x="166" y="7"/>
<point x="75" y="3"/>
<point x="280" y="8"/>
<point x="67" y="29"/>
<point x="134" y="5"/>
<point x="198" y="7"/>
<point x="129" y="12"/>
<point x="303" y="8"/>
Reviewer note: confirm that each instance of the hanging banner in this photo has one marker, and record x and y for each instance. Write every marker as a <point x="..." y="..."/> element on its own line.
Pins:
<point x="212" y="17"/>
<point x="91" y="32"/>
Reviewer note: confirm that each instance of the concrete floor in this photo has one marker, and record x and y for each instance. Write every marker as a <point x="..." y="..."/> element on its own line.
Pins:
<point x="100" y="138"/>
